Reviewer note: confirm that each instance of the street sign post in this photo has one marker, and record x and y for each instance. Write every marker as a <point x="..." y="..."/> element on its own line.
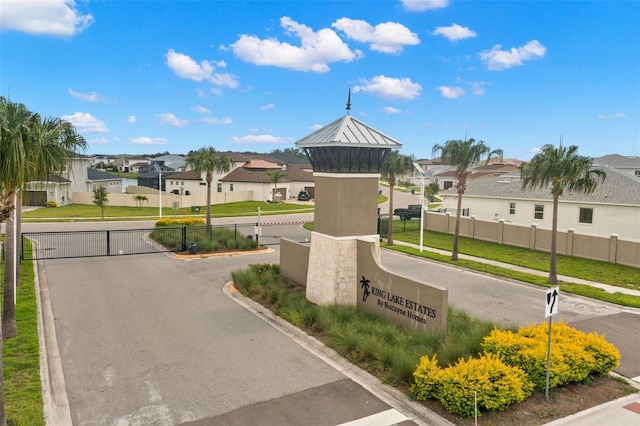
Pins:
<point x="552" y="302"/>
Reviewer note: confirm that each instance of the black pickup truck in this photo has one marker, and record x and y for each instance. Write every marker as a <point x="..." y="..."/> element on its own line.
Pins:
<point x="412" y="210"/>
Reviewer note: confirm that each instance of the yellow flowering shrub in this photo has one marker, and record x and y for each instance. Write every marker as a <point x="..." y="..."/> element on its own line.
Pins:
<point x="185" y="221"/>
<point x="426" y="378"/>
<point x="487" y="380"/>
<point x="575" y="356"/>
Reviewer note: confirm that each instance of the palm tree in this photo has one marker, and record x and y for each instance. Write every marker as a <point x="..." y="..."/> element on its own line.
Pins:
<point x="208" y="160"/>
<point x="139" y="199"/>
<point x="275" y="176"/>
<point x="30" y="149"/>
<point x="395" y="165"/>
<point x="562" y="169"/>
<point x="463" y="154"/>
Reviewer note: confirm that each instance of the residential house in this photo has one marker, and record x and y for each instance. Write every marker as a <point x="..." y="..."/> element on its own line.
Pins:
<point x="613" y="208"/>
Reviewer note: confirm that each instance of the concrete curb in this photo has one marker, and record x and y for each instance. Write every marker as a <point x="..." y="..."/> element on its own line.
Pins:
<point x="57" y="411"/>
<point x="418" y="413"/>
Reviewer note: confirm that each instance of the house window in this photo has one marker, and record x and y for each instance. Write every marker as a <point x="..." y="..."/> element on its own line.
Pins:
<point x="637" y="172"/>
<point x="219" y="187"/>
<point x="512" y="208"/>
<point x="538" y="212"/>
<point x="465" y="212"/>
<point x="586" y="215"/>
<point x="231" y="187"/>
<point x="171" y="183"/>
<point x="182" y="183"/>
<point x="203" y="183"/>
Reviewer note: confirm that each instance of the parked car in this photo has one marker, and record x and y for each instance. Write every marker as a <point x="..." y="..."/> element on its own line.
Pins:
<point x="303" y="196"/>
<point x="413" y="210"/>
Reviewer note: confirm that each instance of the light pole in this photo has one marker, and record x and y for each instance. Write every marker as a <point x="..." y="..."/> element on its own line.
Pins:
<point x="421" y="171"/>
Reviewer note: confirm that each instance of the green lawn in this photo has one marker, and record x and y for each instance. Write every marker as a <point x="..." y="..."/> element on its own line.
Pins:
<point x="91" y="212"/>
<point x="21" y="357"/>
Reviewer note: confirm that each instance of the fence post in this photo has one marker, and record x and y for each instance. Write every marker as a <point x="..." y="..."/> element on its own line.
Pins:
<point x="500" y="231"/>
<point x="613" y="248"/>
<point x="108" y="243"/>
<point x="184" y="238"/>
<point x="570" y="236"/>
<point x="532" y="237"/>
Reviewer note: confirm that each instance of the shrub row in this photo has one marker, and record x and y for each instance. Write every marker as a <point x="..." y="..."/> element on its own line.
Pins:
<point x="485" y="381"/>
<point x="512" y="366"/>
<point x="185" y="221"/>
<point x="575" y="356"/>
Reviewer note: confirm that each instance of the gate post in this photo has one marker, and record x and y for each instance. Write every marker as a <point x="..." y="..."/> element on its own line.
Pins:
<point x="184" y="238"/>
<point x="108" y="243"/>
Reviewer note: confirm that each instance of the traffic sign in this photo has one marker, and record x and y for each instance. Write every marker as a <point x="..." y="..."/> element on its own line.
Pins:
<point x="552" y="300"/>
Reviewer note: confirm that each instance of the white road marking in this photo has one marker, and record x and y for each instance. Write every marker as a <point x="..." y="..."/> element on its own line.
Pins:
<point x="383" y="418"/>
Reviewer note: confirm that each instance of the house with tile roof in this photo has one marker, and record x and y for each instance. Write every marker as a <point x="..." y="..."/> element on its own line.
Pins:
<point x="613" y="208"/>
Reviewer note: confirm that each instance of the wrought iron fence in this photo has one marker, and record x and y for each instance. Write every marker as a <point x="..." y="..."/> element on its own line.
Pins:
<point x="71" y="244"/>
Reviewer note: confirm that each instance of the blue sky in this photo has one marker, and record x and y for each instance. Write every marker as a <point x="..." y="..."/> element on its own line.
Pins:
<point x="152" y="76"/>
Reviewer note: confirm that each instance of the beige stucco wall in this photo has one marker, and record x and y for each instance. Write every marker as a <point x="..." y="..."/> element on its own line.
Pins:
<point x="613" y="248"/>
<point x="294" y="260"/>
<point x="346" y="204"/>
<point x="168" y="199"/>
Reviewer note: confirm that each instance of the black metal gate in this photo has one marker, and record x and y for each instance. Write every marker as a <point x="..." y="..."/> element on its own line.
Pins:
<point x="72" y="244"/>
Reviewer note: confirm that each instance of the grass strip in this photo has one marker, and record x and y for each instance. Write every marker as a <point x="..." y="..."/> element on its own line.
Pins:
<point x="579" y="289"/>
<point x="382" y="348"/>
<point x="21" y="357"/>
<point x="91" y="212"/>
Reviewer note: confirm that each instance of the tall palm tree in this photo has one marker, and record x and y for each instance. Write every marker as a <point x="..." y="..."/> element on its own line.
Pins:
<point x="562" y="169"/>
<point x="30" y="148"/>
<point x="463" y="154"/>
<point x="395" y="165"/>
<point x="275" y="176"/>
<point x="208" y="160"/>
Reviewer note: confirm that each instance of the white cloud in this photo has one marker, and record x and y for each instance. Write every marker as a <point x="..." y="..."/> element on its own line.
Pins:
<point x="183" y="66"/>
<point x="145" y="140"/>
<point x="86" y="123"/>
<point x="388" y="37"/>
<point x="390" y="88"/>
<point x="497" y="59"/>
<point x="451" y="92"/>
<point x="260" y="139"/>
<point x="214" y="120"/>
<point x="170" y="119"/>
<point x="612" y="117"/>
<point x="477" y="87"/>
<point x="131" y="119"/>
<point x="89" y="97"/>
<point x="97" y="141"/>
<point x="317" y="49"/>
<point x="58" y="18"/>
<point x="454" y="32"/>
<point x="391" y="110"/>
<point x="422" y="5"/>
<point x="315" y="127"/>
<point x="200" y="109"/>
<point x="267" y="106"/>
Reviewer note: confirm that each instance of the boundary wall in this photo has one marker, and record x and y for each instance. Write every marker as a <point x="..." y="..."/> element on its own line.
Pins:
<point x="612" y="249"/>
<point x="153" y="198"/>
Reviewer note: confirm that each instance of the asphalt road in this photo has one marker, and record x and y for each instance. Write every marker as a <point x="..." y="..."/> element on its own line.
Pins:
<point x="150" y="339"/>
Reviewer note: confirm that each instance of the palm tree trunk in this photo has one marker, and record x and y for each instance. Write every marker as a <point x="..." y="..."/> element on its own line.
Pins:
<point x="553" y="277"/>
<point x="456" y="233"/>
<point x="8" y="308"/>
<point x="390" y="226"/>
<point x="208" y="223"/>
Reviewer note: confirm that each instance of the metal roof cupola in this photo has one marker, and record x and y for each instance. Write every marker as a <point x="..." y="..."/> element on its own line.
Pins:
<point x="347" y="146"/>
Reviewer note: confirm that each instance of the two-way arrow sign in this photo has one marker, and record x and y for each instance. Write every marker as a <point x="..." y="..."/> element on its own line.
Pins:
<point x="552" y="301"/>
